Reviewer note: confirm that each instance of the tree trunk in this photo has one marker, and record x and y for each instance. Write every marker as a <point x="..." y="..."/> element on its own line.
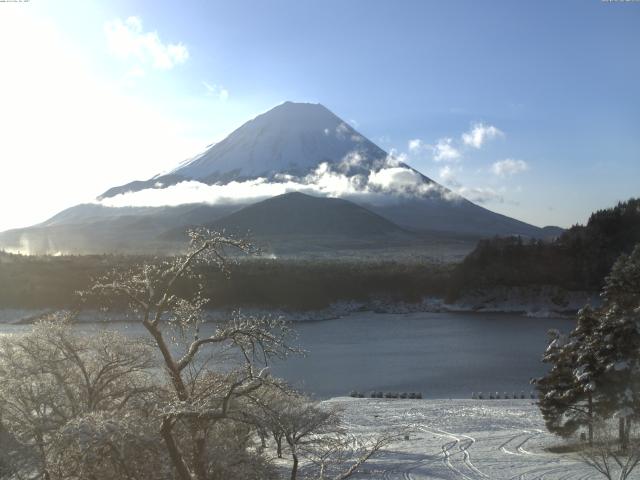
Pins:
<point x="169" y="361"/>
<point x="294" y="468"/>
<point x="622" y="434"/>
<point x="43" y="455"/>
<point x="174" y="452"/>
<point x="279" y="446"/>
<point x="200" y="457"/>
<point x="590" y="419"/>
<point x="177" y="458"/>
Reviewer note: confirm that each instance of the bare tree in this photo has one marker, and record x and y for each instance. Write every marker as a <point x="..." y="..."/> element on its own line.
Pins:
<point x="170" y="292"/>
<point x="314" y="434"/>
<point x="51" y="377"/>
<point x="302" y="423"/>
<point x="607" y="456"/>
<point x="267" y="407"/>
<point x="339" y="455"/>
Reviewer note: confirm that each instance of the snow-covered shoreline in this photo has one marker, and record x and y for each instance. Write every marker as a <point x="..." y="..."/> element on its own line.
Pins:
<point x="541" y="303"/>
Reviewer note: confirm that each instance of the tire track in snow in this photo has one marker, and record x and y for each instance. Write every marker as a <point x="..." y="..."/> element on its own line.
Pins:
<point x="518" y="448"/>
<point x="503" y="446"/>
<point x="538" y="473"/>
<point x="513" y="454"/>
<point x="407" y="468"/>
<point x="463" y="447"/>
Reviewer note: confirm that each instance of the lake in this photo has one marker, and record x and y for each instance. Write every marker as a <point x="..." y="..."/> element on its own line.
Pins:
<point x="442" y="355"/>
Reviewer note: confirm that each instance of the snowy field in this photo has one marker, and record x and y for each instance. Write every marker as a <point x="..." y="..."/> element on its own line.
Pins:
<point x="461" y="439"/>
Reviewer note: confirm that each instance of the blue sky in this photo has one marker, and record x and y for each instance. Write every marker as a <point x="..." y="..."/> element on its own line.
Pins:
<point x="101" y="93"/>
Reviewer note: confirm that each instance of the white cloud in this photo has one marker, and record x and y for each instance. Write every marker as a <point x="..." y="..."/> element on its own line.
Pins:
<point x="415" y="145"/>
<point x="445" y="151"/>
<point x="448" y="175"/>
<point x="126" y="40"/>
<point x="352" y="159"/>
<point x="479" y="134"/>
<point x="395" y="158"/>
<point x="508" y="167"/>
<point x="387" y="184"/>
<point x="399" y="180"/>
<point x="218" y="91"/>
<point x="342" y="130"/>
<point x="481" y="194"/>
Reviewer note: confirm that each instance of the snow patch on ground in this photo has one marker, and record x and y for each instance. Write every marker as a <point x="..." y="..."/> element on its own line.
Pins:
<point x="460" y="439"/>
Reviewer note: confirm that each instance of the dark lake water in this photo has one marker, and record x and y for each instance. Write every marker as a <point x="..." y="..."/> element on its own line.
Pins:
<point x="442" y="355"/>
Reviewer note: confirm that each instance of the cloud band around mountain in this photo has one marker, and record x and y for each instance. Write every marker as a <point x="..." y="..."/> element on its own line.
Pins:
<point x="391" y="183"/>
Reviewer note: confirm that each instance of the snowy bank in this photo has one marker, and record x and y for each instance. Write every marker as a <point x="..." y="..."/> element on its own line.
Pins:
<point x="533" y="301"/>
<point x="543" y="302"/>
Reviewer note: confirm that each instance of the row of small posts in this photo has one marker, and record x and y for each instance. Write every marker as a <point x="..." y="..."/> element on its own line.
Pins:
<point x="418" y="395"/>
<point x="505" y="395"/>
<point x="411" y="395"/>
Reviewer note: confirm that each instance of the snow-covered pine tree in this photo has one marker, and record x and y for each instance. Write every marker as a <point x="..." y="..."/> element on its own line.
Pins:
<point x="622" y="285"/>
<point x="595" y="371"/>
<point x="558" y="395"/>
<point x="569" y="395"/>
<point x="587" y="368"/>
<point x="619" y="342"/>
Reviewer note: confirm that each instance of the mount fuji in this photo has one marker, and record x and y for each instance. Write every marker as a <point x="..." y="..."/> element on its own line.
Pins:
<point x="290" y="140"/>
<point x="245" y="183"/>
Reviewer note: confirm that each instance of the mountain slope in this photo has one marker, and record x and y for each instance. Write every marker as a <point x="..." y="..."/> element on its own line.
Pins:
<point x="299" y="214"/>
<point x="91" y="228"/>
<point x="435" y="214"/>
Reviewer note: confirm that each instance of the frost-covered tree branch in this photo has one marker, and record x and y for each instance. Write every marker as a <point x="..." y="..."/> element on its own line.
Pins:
<point x="169" y="293"/>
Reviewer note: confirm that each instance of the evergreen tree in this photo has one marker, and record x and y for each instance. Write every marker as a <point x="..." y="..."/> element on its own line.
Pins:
<point x="619" y="342"/>
<point x="557" y="389"/>
<point x="618" y="352"/>
<point x="587" y="367"/>
<point x="595" y="371"/>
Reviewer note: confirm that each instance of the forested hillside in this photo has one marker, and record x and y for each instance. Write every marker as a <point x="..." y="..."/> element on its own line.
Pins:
<point x="579" y="259"/>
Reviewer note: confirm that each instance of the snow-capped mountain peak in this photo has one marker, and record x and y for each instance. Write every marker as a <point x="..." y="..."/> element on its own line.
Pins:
<point x="290" y="139"/>
<point x="293" y="146"/>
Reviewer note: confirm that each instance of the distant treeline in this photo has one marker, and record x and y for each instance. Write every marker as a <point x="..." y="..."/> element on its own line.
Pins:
<point x="579" y="259"/>
<point x="51" y="282"/>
